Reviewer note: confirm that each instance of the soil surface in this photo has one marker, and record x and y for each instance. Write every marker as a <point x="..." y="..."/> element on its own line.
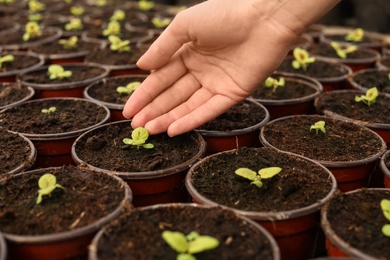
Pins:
<point x="21" y="61"/>
<point x="342" y="141"/>
<point x="96" y="34"/>
<point x="300" y="183"/>
<point x="104" y="148"/>
<point x="105" y="56"/>
<point x="137" y="235"/>
<point x="71" y="115"/>
<point x="344" y="104"/>
<point x="54" y="48"/>
<point x="17" y="37"/>
<point x="14" y="151"/>
<point x="243" y="115"/>
<point x="341" y="38"/>
<point x="12" y="92"/>
<point x="358" y="219"/>
<point x="326" y="50"/>
<point x="64" y="210"/>
<point x="373" y="78"/>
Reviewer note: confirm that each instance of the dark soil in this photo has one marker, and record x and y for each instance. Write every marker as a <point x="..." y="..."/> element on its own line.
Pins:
<point x="326" y="50"/>
<point x="14" y="151"/>
<point x="12" y="92"/>
<point x="137" y="235"/>
<point x="243" y="115"/>
<point x="385" y="62"/>
<point x="387" y="162"/>
<point x="54" y="48"/>
<point x="318" y="69"/>
<point x="104" y="148"/>
<point x="105" y="90"/>
<point x="358" y="219"/>
<point x="344" y="104"/>
<point x="373" y="78"/>
<point x="21" y="61"/>
<point x="106" y="56"/>
<point x="342" y="141"/>
<point x="300" y="183"/>
<point x="17" y="37"/>
<point x="341" y="38"/>
<point x="97" y="35"/>
<point x="71" y="115"/>
<point x="291" y="90"/>
<point x="61" y="210"/>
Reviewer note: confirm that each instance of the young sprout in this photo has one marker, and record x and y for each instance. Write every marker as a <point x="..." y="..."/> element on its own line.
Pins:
<point x="256" y="177"/>
<point x="302" y="59"/>
<point x="161" y="22"/>
<point x="32" y="30"/>
<point x="138" y="138"/>
<point x="369" y="97"/>
<point x="320" y="125"/>
<point x="118" y="15"/>
<point x="6" y="58"/>
<point x="47" y="184"/>
<point x="118" y="45"/>
<point x="187" y="246"/>
<point x="274" y="83"/>
<point x="101" y="3"/>
<point x="113" y="28"/>
<point x="385" y="206"/>
<point x="58" y="72"/>
<point x="35" y="17"/>
<point x="342" y="51"/>
<point x="69" y="43"/>
<point x="129" y="88"/>
<point x="49" y="110"/>
<point x="6" y="1"/>
<point x="355" y="35"/>
<point x="77" y="10"/>
<point x="75" y="24"/>
<point x="36" y="6"/>
<point x="145" y="5"/>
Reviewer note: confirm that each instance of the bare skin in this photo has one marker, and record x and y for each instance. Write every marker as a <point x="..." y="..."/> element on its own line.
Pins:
<point x="212" y="56"/>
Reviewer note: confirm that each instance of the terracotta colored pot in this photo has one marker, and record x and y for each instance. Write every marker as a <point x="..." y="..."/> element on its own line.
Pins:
<point x="29" y="93"/>
<point x="295" y="231"/>
<point x="66" y="244"/>
<point x="66" y="89"/>
<point x="385" y="169"/>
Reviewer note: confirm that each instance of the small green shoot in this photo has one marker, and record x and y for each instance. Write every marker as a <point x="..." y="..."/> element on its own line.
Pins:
<point x="369" y="97"/>
<point x="187" y="246"/>
<point x="118" y="45"/>
<point x="47" y="184"/>
<point x="74" y="24"/>
<point x="302" y="59"/>
<point x="343" y="51"/>
<point x="318" y="126"/>
<point x="35" y="17"/>
<point x="161" y="22"/>
<point x="274" y="83"/>
<point x="6" y="1"/>
<point x="58" y="72"/>
<point x="129" y="88"/>
<point x="118" y="15"/>
<point x="145" y="5"/>
<point x="77" y="10"/>
<point x="113" y="28"/>
<point x="138" y="138"/>
<point x="35" y="6"/>
<point x="49" y="110"/>
<point x="6" y="58"/>
<point x="32" y="30"/>
<point x="355" y="35"/>
<point x="256" y="177"/>
<point x="101" y="3"/>
<point x="69" y="43"/>
<point x="385" y="206"/>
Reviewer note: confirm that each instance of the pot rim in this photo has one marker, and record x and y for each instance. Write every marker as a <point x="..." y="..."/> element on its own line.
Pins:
<point x="375" y="57"/>
<point x="262" y="215"/>
<point x="3" y="247"/>
<point x="355" y="85"/>
<point x="30" y="90"/>
<point x="382" y="164"/>
<point x="66" y="235"/>
<point x="40" y="63"/>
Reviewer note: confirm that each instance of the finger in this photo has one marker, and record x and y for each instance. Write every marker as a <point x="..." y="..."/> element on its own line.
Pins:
<point x="175" y="95"/>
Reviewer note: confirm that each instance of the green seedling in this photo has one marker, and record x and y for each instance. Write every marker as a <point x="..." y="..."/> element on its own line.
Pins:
<point x="58" y="72"/>
<point x="101" y="3"/>
<point x="388" y="76"/>
<point x="385" y="206"/>
<point x="77" y="10"/>
<point x="69" y="43"/>
<point x="74" y="24"/>
<point x="118" y="15"/>
<point x="161" y="22"/>
<point x="36" y="6"/>
<point x="343" y="51"/>
<point x="318" y="126"/>
<point x="145" y="5"/>
<point x="6" y="58"/>
<point x="49" y="110"/>
<point x="47" y="184"/>
<point x="138" y="138"/>
<point x="6" y="1"/>
<point x="118" y="45"/>
<point x="32" y="30"/>
<point x="113" y="28"/>
<point x="274" y="83"/>
<point x="35" y="17"/>
<point x="187" y="246"/>
<point x="355" y="35"/>
<point x="302" y="59"/>
<point x="129" y="88"/>
<point x="369" y="97"/>
<point x="256" y="177"/>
